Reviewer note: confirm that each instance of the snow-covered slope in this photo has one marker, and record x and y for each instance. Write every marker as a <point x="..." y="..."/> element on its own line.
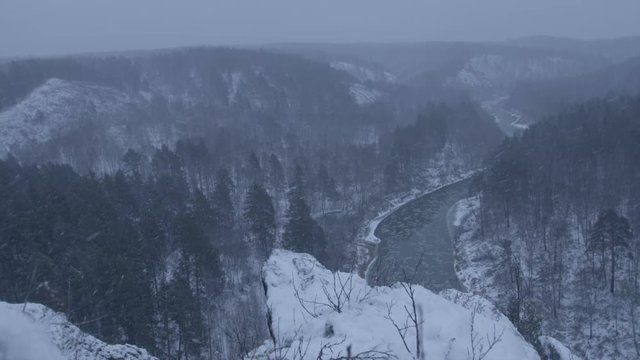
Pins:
<point x="35" y="332"/>
<point x="314" y="311"/>
<point x="481" y="271"/>
<point x="491" y="71"/>
<point x="363" y="73"/>
<point x="364" y="95"/>
<point x="57" y="107"/>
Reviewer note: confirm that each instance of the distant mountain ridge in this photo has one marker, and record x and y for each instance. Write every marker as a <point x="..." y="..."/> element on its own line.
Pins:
<point x="153" y="98"/>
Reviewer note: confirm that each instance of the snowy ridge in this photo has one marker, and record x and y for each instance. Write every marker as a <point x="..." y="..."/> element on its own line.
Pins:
<point x="35" y="332"/>
<point x="233" y="81"/>
<point x="364" y="95"/>
<point x="361" y="93"/>
<point x="490" y="70"/>
<point x="364" y="74"/>
<point x="54" y="108"/>
<point x="299" y="290"/>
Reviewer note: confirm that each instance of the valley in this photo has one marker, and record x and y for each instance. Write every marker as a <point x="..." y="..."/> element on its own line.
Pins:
<point x="252" y="202"/>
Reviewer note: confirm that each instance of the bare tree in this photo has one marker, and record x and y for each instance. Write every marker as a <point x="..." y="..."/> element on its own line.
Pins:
<point x="481" y="346"/>
<point x="413" y="319"/>
<point x="297" y="348"/>
<point x="336" y="294"/>
<point x="335" y="354"/>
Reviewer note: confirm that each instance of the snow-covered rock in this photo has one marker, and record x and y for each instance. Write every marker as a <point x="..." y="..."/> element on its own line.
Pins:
<point x="35" y="332"/>
<point x="313" y="310"/>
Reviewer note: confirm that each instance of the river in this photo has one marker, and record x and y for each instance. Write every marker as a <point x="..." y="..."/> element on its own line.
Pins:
<point x="418" y="232"/>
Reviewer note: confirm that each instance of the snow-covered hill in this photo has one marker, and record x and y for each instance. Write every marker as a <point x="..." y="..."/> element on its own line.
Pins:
<point x="54" y="108"/>
<point x="318" y="314"/>
<point x="89" y="111"/>
<point x="35" y="332"/>
<point x="490" y="71"/>
<point x="364" y="74"/>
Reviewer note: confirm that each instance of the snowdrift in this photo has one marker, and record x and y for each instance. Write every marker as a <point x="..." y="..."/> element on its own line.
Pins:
<point x="315" y="313"/>
<point x="35" y="332"/>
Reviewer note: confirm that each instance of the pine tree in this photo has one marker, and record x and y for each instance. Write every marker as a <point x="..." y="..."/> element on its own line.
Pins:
<point x="302" y="233"/>
<point x="254" y="169"/>
<point x="132" y="294"/>
<point x="223" y="211"/>
<point x="133" y="164"/>
<point x="260" y="215"/>
<point x="610" y="232"/>
<point x="276" y="174"/>
<point x="185" y="310"/>
<point x="326" y="184"/>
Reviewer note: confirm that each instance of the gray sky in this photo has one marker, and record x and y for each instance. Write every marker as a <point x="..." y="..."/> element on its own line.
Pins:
<point x="38" y="27"/>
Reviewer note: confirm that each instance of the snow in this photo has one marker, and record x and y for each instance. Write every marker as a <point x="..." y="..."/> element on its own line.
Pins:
<point x="508" y="119"/>
<point x="549" y="343"/>
<point x="233" y="81"/>
<point x="53" y="108"/>
<point x="361" y="93"/>
<point x="474" y="260"/>
<point x="461" y="211"/>
<point x="364" y="95"/>
<point x="170" y="267"/>
<point x="480" y="268"/>
<point x="34" y="332"/>
<point x="491" y="70"/>
<point x="364" y="74"/>
<point x="363" y="319"/>
<point x="21" y="338"/>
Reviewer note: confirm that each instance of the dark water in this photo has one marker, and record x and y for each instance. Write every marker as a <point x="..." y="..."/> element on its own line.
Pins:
<point x="418" y="233"/>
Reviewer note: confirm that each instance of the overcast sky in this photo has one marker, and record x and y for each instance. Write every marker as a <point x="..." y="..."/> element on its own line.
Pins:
<point x="38" y="27"/>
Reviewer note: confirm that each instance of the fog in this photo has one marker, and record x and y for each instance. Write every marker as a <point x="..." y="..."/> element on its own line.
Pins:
<point x="39" y="27"/>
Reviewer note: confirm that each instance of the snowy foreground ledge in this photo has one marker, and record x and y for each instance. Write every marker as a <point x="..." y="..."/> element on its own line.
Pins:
<point x="35" y="332"/>
<point x="317" y="314"/>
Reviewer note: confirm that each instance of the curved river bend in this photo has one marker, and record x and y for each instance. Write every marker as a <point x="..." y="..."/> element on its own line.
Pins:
<point x="419" y="230"/>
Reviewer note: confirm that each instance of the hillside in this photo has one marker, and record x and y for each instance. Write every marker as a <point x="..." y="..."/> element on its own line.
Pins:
<point x="532" y="241"/>
<point x="151" y="98"/>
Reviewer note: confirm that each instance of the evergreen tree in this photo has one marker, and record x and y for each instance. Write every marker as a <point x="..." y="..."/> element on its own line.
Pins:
<point x="527" y="319"/>
<point x="260" y="215"/>
<point x="222" y="210"/>
<point x="185" y="310"/>
<point x="276" y="174"/>
<point x="610" y="232"/>
<point x="254" y="169"/>
<point x="302" y="233"/>
<point x="133" y="164"/>
<point x="133" y="298"/>
<point x="326" y="184"/>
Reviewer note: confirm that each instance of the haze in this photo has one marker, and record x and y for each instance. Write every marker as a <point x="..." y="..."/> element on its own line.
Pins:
<point x="43" y="27"/>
